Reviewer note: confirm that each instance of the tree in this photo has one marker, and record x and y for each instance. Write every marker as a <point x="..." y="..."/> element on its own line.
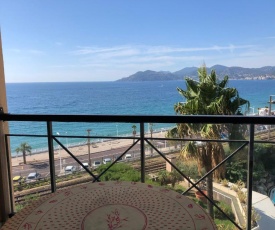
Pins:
<point x="208" y="96"/>
<point x="174" y="177"/>
<point x="163" y="177"/>
<point x="190" y="169"/>
<point x="24" y="148"/>
<point x="172" y="133"/>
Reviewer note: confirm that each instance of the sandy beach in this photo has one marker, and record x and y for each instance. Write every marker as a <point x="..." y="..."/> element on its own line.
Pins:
<point x="81" y="150"/>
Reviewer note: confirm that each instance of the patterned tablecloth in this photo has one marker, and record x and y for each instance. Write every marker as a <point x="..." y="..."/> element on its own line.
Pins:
<point x="112" y="205"/>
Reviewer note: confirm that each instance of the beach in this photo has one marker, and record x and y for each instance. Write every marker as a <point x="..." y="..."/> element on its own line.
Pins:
<point x="80" y="150"/>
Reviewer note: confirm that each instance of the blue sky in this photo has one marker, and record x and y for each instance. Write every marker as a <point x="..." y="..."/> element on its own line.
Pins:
<point x="89" y="40"/>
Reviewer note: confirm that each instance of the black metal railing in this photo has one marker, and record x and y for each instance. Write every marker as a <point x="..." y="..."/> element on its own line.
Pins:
<point x="141" y="120"/>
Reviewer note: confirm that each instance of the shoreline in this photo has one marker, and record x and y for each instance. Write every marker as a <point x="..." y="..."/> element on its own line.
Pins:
<point x="80" y="142"/>
<point x="79" y="150"/>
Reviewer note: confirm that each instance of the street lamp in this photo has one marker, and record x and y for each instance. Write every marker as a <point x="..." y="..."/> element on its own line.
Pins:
<point x="134" y="132"/>
<point x="151" y="131"/>
<point x="89" y="152"/>
<point x="60" y="161"/>
<point x="269" y="113"/>
<point x="67" y="140"/>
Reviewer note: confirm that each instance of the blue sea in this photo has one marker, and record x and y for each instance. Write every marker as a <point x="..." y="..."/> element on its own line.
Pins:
<point x="125" y="98"/>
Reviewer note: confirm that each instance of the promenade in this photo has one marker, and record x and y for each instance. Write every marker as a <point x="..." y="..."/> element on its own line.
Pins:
<point x="80" y="150"/>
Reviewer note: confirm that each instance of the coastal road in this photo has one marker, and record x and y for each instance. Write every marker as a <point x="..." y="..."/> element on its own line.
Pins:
<point x="43" y="167"/>
<point x="44" y="170"/>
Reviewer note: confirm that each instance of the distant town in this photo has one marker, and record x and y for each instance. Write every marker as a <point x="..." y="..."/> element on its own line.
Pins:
<point x="248" y="77"/>
<point x="234" y="73"/>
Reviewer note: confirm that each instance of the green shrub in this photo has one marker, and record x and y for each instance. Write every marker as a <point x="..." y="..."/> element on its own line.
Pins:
<point x="225" y="208"/>
<point x="119" y="172"/>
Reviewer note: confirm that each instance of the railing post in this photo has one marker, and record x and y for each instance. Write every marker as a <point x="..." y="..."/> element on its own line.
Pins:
<point x="9" y="165"/>
<point x="142" y="153"/>
<point x="51" y="155"/>
<point x="6" y="189"/>
<point x="250" y="176"/>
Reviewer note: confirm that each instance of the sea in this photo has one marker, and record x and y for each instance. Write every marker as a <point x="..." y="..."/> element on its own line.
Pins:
<point x="105" y="98"/>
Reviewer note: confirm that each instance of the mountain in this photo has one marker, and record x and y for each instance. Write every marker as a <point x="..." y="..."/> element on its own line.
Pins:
<point x="150" y="75"/>
<point x="235" y="72"/>
<point x="188" y="71"/>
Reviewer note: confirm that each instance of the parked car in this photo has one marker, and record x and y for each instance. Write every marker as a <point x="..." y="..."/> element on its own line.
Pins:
<point x="107" y="160"/>
<point x="118" y="158"/>
<point x="70" y="169"/>
<point x="96" y="164"/>
<point x="128" y="157"/>
<point x="34" y="176"/>
<point x="18" y="179"/>
<point x="86" y="165"/>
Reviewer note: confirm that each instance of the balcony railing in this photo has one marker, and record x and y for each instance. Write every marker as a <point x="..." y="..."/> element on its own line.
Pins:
<point x="142" y="139"/>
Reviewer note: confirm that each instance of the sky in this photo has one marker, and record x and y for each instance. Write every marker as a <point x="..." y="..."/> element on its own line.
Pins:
<point x="105" y="40"/>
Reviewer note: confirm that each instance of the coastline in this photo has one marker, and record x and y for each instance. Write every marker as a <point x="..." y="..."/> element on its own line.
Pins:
<point x="79" y="150"/>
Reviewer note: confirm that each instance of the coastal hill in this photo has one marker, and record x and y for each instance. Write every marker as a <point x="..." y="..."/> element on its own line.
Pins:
<point x="236" y="73"/>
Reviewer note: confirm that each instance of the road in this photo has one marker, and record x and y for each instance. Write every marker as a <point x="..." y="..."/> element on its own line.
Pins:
<point x="44" y="170"/>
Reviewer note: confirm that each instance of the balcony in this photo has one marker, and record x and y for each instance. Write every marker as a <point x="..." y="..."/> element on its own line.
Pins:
<point x="140" y="149"/>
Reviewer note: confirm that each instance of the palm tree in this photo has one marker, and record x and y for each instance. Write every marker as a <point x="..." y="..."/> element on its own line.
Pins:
<point x="134" y="127"/>
<point x="172" y="133"/>
<point x="175" y="132"/>
<point x="208" y="96"/>
<point x="24" y="148"/>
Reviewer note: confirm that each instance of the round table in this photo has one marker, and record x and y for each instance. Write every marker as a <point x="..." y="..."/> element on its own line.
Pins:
<point x="112" y="205"/>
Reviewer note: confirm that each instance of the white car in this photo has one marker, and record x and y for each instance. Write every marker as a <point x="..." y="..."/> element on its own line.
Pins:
<point x="33" y="177"/>
<point x="107" y="160"/>
<point x="70" y="169"/>
<point x="86" y="165"/>
<point x="96" y="164"/>
<point x="128" y="157"/>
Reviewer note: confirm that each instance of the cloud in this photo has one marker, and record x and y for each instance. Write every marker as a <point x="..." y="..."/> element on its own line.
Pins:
<point x="120" y="53"/>
<point x="138" y="54"/>
<point x="146" y="50"/>
<point x="141" y="55"/>
<point x="120" y="61"/>
<point x="98" y="50"/>
<point x="163" y="49"/>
